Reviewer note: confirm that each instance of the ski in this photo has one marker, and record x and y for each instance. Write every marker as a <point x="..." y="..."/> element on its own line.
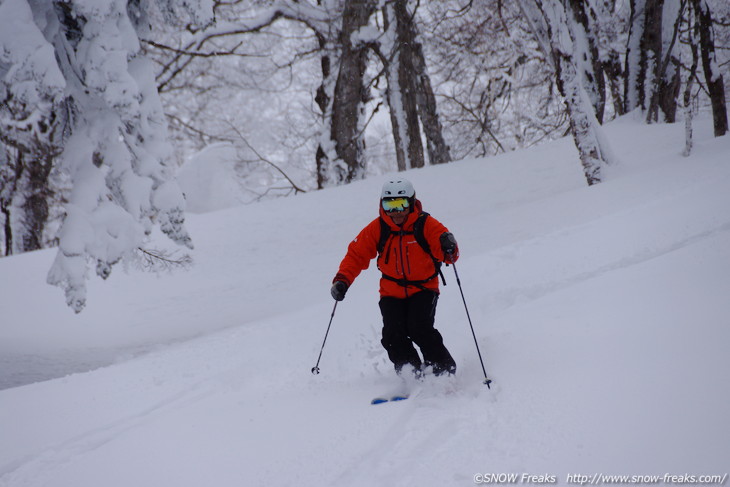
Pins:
<point x="396" y="398"/>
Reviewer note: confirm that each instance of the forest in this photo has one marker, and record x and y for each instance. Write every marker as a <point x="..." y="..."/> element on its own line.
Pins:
<point x="103" y="102"/>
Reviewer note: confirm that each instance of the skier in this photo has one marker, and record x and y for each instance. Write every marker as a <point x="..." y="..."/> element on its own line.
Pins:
<point x="410" y="246"/>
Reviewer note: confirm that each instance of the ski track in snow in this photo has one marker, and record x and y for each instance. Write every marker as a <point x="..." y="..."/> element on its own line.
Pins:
<point x="418" y="425"/>
<point x="512" y="295"/>
<point x="644" y="239"/>
<point x="42" y="467"/>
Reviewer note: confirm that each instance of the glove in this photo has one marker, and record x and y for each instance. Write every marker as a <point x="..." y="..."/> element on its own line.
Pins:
<point x="449" y="247"/>
<point x="338" y="290"/>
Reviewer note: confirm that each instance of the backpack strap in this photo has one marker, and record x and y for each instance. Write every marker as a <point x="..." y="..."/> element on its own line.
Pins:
<point x="384" y="234"/>
<point x="418" y="233"/>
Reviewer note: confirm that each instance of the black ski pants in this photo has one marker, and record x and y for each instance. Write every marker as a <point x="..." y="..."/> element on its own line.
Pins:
<point x="411" y="320"/>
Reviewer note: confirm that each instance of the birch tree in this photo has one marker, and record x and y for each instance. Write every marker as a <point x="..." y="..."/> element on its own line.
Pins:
<point x="562" y="38"/>
<point x="584" y="32"/>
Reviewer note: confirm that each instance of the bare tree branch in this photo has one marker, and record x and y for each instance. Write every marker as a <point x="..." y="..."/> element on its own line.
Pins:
<point x="297" y="189"/>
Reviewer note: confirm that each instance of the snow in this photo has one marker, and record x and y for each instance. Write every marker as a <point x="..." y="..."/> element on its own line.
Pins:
<point x="208" y="179"/>
<point x="601" y="313"/>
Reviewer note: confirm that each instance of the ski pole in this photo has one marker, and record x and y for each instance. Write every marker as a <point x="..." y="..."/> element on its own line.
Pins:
<point x="487" y="380"/>
<point x="315" y="369"/>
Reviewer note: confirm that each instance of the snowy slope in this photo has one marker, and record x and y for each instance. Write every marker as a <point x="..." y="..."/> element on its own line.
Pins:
<point x="602" y="314"/>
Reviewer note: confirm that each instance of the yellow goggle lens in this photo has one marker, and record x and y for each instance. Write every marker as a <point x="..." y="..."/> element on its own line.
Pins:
<point x="395" y="204"/>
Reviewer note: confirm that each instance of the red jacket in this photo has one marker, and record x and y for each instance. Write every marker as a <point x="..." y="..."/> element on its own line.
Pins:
<point x="402" y="257"/>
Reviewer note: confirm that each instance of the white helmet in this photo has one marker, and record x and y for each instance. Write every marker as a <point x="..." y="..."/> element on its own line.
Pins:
<point x="398" y="187"/>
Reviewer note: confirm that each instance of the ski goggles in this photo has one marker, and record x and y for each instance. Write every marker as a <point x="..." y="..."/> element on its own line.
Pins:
<point x="395" y="204"/>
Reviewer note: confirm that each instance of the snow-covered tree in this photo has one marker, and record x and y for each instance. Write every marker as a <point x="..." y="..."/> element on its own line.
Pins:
<point x="493" y="83"/>
<point x="561" y="34"/>
<point x="609" y="26"/>
<point x="401" y="92"/>
<point x="652" y="62"/>
<point x="329" y="45"/>
<point x="663" y="82"/>
<point x="410" y="96"/>
<point x="79" y="100"/>
<point x="336" y="35"/>
<point x="654" y="53"/>
<point x="280" y="61"/>
<point x="350" y="94"/>
<point x="31" y="121"/>
<point x="585" y="31"/>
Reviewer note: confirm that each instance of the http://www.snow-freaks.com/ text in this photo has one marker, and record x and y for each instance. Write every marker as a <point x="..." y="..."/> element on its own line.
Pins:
<point x="600" y="479"/>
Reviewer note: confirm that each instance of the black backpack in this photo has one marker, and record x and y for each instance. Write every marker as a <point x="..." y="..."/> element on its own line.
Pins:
<point x="385" y="232"/>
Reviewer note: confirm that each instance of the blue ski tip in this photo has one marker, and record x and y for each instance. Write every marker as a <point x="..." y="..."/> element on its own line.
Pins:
<point x="381" y="400"/>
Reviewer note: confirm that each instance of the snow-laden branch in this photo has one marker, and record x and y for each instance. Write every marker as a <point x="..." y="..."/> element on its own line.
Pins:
<point x="80" y="100"/>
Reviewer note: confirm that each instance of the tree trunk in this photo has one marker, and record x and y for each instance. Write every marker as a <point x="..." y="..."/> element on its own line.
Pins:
<point x="27" y="214"/>
<point x="438" y="150"/>
<point x="602" y="13"/>
<point x="556" y="32"/>
<point x="349" y="94"/>
<point x="651" y="52"/>
<point x="688" y="113"/>
<point x="7" y="230"/>
<point x="662" y="91"/>
<point x="581" y="124"/>
<point x="614" y="74"/>
<point x="592" y="75"/>
<point x="323" y="99"/>
<point x="8" y="178"/>
<point x="27" y="191"/>
<point x="713" y="77"/>
<point x="402" y="87"/>
<point x="635" y="62"/>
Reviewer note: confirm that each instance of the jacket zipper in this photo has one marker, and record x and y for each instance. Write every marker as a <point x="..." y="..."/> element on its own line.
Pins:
<point x="408" y="259"/>
<point x="403" y="258"/>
